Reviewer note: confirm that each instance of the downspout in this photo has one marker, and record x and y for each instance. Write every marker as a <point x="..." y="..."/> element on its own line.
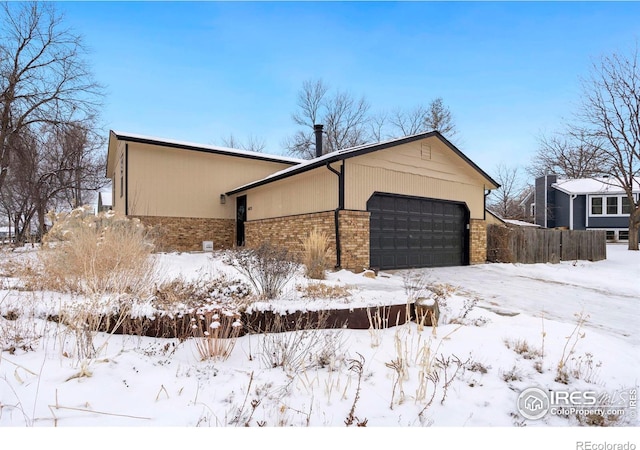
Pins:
<point x="336" y="217"/>
<point x="487" y="192"/>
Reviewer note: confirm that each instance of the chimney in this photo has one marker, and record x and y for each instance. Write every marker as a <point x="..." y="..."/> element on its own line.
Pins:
<point x="317" y="129"/>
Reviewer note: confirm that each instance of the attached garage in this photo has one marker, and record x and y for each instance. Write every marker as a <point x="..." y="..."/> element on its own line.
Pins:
<point x="415" y="201"/>
<point x="407" y="232"/>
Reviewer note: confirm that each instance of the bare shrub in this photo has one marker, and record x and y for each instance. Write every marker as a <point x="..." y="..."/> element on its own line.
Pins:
<point x="18" y="329"/>
<point x="84" y="318"/>
<point x="215" y="333"/>
<point x="562" y="370"/>
<point x="267" y="267"/>
<point x="89" y="254"/>
<point x="523" y="348"/>
<point x="513" y="374"/>
<point x="309" y="345"/>
<point x="315" y="256"/>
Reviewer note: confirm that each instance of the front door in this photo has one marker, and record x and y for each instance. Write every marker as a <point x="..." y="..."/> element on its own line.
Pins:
<point x="241" y="217"/>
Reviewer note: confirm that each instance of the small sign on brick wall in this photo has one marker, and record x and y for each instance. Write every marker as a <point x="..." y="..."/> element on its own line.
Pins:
<point x="207" y="246"/>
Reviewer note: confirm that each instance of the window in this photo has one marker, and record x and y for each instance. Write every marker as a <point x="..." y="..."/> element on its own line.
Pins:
<point x="611" y="205"/>
<point x="611" y="236"/>
<point x="623" y="235"/>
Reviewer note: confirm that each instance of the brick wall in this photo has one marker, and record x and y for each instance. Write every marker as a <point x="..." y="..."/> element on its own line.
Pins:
<point x="290" y="231"/>
<point x="478" y="241"/>
<point x="186" y="233"/>
<point x="354" y="240"/>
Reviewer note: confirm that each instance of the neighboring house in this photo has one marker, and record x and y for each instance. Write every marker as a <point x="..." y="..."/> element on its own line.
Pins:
<point x="105" y="201"/>
<point x="528" y="204"/>
<point x="494" y="219"/>
<point x="415" y="201"/>
<point x="584" y="204"/>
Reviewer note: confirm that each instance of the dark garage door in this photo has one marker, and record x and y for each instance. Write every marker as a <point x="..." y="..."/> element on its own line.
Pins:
<point x="410" y="232"/>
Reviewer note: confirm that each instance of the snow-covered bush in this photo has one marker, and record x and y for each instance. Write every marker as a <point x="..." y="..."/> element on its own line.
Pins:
<point x="180" y="296"/>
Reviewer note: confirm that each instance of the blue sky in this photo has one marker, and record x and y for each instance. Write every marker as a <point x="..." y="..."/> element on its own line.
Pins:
<point x="198" y="71"/>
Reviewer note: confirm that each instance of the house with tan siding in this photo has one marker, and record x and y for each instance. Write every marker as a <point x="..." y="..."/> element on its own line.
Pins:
<point x="416" y="201"/>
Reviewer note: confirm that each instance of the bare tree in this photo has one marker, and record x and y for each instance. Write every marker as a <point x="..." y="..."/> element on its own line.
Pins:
<point x="409" y="122"/>
<point x="610" y="115"/>
<point x="571" y="154"/>
<point x="439" y="119"/>
<point x="53" y="168"/>
<point x="421" y="119"/>
<point x="252" y="143"/>
<point x="345" y="118"/>
<point x="505" y="201"/>
<point x="377" y="126"/>
<point x="346" y="121"/>
<point x="43" y="75"/>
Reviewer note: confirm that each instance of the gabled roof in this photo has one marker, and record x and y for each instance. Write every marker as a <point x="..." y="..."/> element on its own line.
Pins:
<point x="340" y="155"/>
<point x="583" y="186"/>
<point x="130" y="137"/>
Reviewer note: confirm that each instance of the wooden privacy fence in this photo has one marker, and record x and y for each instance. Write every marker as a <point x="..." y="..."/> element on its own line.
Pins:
<point x="530" y="245"/>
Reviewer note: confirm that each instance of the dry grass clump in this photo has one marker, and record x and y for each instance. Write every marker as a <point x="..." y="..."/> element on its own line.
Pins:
<point x="316" y="255"/>
<point x="523" y="348"/>
<point x="94" y="254"/>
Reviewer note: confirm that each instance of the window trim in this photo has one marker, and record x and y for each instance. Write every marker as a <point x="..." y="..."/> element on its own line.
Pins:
<point x="605" y="205"/>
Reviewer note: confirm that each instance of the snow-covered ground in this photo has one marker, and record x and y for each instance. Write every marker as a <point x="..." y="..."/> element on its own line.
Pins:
<point x="521" y="321"/>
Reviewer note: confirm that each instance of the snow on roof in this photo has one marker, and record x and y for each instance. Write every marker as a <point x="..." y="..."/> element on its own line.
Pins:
<point x="601" y="185"/>
<point x="205" y="147"/>
<point x="521" y="223"/>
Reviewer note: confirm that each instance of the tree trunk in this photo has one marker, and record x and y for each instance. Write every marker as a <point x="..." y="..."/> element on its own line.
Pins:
<point x="634" y="226"/>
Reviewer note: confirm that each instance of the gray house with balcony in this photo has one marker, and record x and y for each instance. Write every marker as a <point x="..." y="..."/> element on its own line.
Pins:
<point x="584" y="204"/>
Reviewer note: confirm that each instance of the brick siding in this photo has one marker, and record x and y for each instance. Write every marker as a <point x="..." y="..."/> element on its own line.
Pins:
<point x="291" y="231"/>
<point x="478" y="241"/>
<point x="186" y="233"/>
<point x="354" y="240"/>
